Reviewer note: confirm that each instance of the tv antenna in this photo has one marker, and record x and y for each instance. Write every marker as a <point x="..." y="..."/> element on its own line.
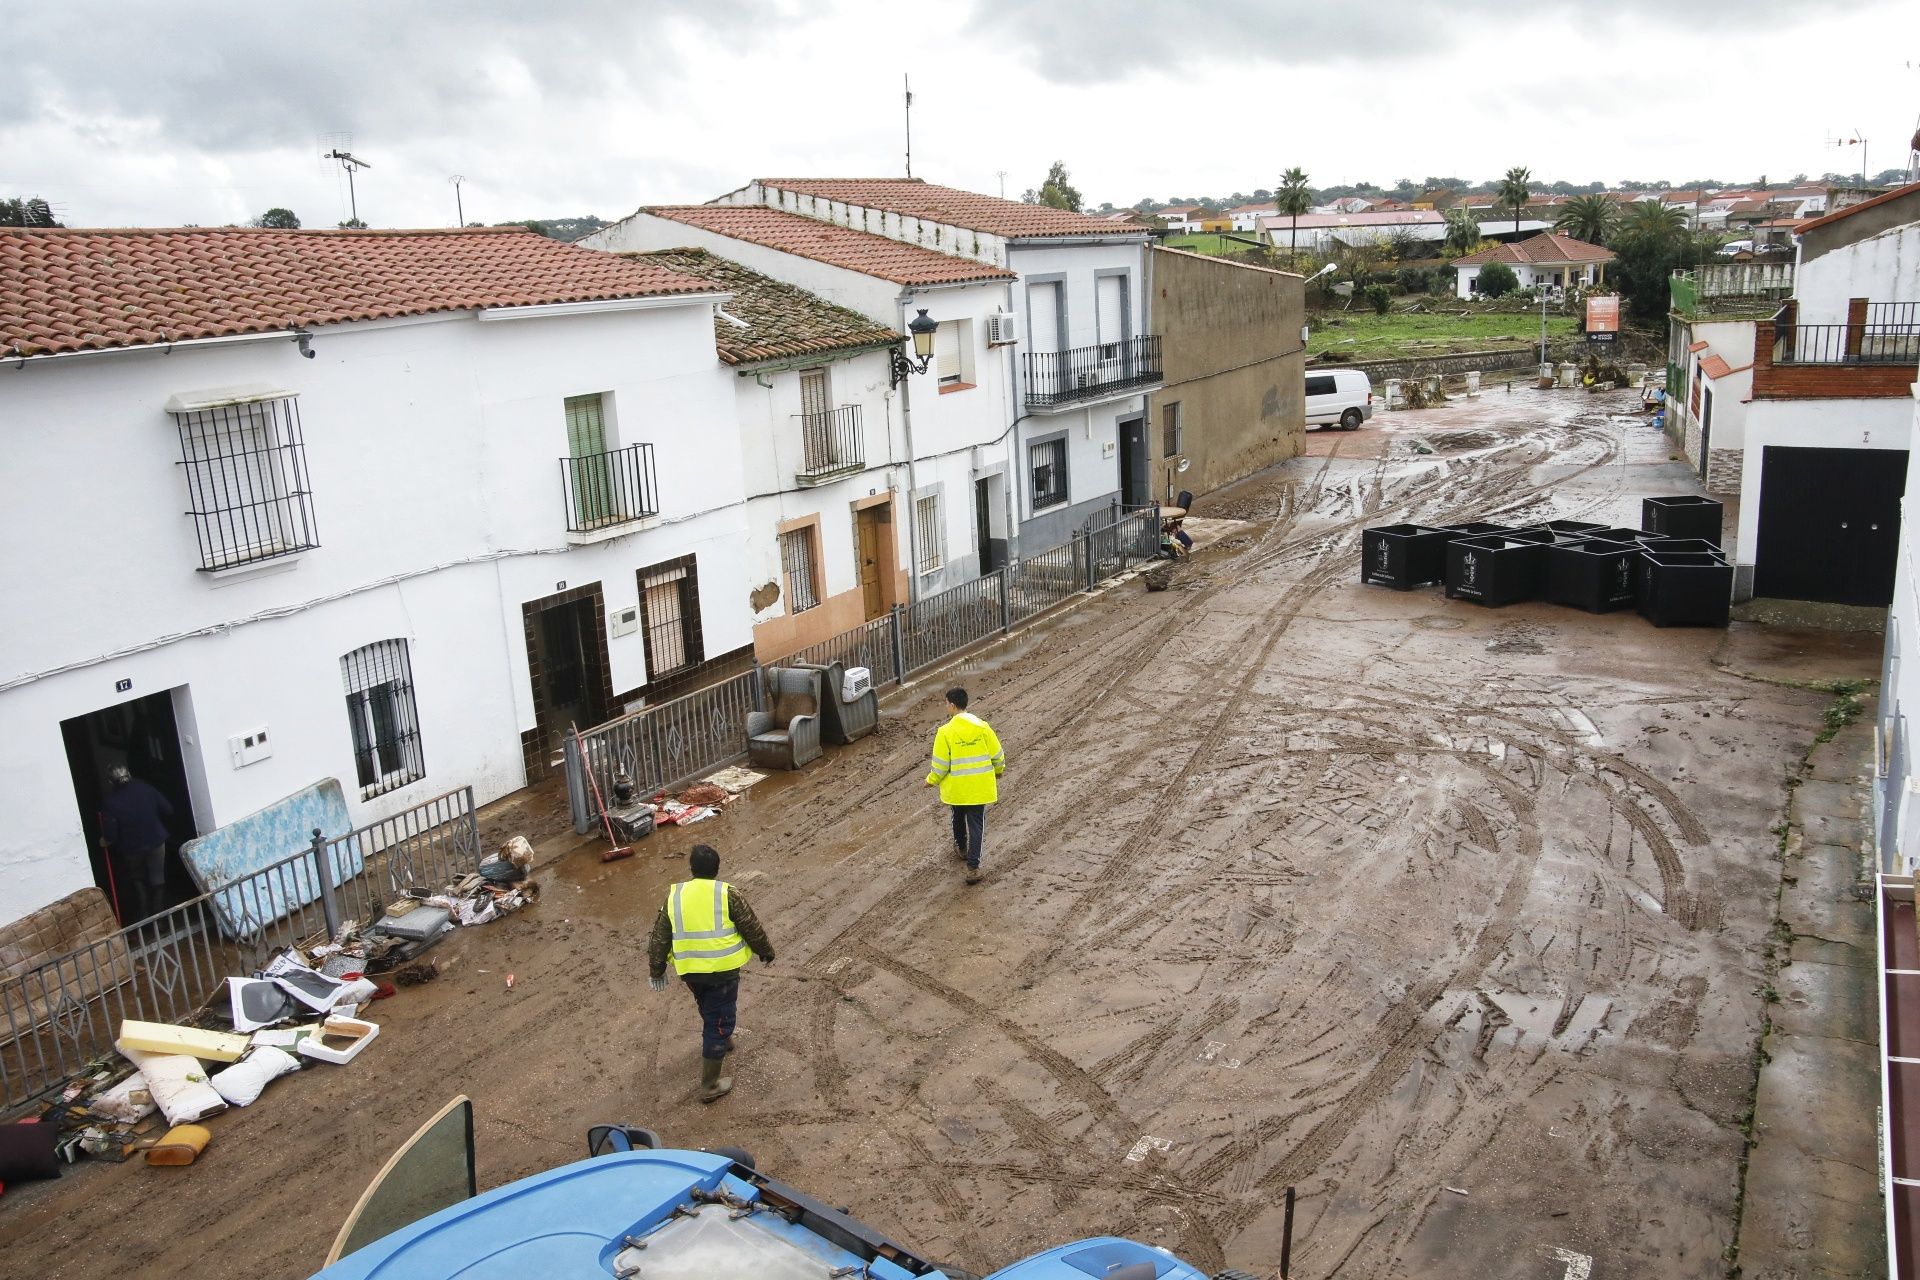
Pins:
<point x="458" y="208"/>
<point x="350" y="163"/>
<point x="1002" y="175"/>
<point x="1857" y="140"/>
<point x="907" y="84"/>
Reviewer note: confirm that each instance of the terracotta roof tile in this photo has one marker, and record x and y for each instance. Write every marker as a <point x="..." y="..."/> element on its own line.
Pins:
<point x="920" y="199"/>
<point x="834" y="245"/>
<point x="783" y="320"/>
<point x="1550" y="246"/>
<point x="77" y="290"/>
<point x="1714" y="367"/>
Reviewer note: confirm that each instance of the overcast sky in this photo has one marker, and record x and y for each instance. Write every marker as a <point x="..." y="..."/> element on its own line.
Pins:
<point x="139" y="113"/>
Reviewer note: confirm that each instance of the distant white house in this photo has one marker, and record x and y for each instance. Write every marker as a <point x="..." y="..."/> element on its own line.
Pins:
<point x="1182" y="217"/>
<point x="1345" y="204"/>
<point x="1318" y="232"/>
<point x="1247" y="217"/>
<point x="1549" y="259"/>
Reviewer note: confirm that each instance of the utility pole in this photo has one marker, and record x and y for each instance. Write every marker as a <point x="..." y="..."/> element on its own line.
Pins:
<point x="459" y="209"/>
<point x="908" y="85"/>
<point x="349" y="163"/>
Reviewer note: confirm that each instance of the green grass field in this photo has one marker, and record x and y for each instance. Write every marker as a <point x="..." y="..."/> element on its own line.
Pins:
<point x="1213" y="243"/>
<point x="1361" y="335"/>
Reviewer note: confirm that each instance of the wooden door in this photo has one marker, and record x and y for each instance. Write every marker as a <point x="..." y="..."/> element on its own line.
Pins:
<point x="871" y="523"/>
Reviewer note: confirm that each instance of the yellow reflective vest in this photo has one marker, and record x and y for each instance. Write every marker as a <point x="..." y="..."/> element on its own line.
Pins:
<point x="704" y="939"/>
<point x="967" y="761"/>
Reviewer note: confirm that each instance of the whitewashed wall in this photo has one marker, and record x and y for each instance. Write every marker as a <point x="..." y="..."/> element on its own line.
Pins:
<point x="1883" y="268"/>
<point x="1811" y="424"/>
<point x="432" y="446"/>
<point x="1897" y="793"/>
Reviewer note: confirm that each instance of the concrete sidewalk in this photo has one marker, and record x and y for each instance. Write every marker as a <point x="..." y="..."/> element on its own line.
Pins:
<point x="1812" y="1206"/>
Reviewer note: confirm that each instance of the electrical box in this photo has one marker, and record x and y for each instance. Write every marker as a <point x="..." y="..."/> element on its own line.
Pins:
<point x="250" y="747"/>
<point x="1106" y="449"/>
<point x="624" y="622"/>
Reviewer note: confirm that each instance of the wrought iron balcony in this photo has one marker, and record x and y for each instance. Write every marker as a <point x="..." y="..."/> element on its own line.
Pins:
<point x="1056" y="378"/>
<point x="832" y="444"/>
<point x="1883" y="333"/>
<point x="608" y="489"/>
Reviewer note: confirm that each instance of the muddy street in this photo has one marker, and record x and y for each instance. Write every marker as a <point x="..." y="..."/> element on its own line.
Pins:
<point x="1449" y="917"/>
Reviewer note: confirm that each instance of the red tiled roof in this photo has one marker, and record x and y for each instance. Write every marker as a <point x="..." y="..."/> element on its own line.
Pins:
<point x="782" y="320"/>
<point x="834" y="245"/>
<point x="1714" y="367"/>
<point x="917" y="198"/>
<point x="1550" y="246"/>
<point x="1883" y="198"/>
<point x="1698" y="346"/>
<point x="77" y="290"/>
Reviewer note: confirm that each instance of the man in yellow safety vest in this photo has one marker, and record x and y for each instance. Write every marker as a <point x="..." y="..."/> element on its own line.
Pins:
<point x="967" y="764"/>
<point x="708" y="930"/>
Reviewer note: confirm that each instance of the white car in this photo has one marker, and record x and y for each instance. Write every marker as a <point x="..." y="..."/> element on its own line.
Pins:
<point x="1338" y="397"/>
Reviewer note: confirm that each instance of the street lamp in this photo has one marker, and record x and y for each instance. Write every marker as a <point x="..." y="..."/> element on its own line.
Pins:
<point x="922" y="330"/>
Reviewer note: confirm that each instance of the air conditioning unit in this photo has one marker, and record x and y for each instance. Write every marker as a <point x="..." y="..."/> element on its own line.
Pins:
<point x="1103" y="373"/>
<point x="1003" y="329"/>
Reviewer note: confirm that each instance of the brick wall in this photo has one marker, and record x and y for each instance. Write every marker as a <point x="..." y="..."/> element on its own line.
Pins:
<point x="1822" y="381"/>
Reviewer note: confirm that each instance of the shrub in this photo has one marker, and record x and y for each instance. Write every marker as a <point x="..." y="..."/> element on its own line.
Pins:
<point x="1497" y="278"/>
<point x="1443" y="280"/>
<point x="1380" y="298"/>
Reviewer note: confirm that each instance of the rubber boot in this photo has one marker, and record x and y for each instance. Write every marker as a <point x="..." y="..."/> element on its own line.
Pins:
<point x="713" y="1085"/>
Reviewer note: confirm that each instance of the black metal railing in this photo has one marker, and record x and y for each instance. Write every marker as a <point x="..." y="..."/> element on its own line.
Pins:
<point x="1087" y="373"/>
<point x="831" y="442"/>
<point x="1870" y="343"/>
<point x="606" y="489"/>
<point x="246" y="468"/>
<point x="1893" y="315"/>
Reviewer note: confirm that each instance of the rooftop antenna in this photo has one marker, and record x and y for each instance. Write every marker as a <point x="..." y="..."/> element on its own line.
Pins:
<point x="349" y="163"/>
<point x="1855" y="141"/>
<point x="1002" y="174"/>
<point x="908" y="85"/>
<point x="459" y="209"/>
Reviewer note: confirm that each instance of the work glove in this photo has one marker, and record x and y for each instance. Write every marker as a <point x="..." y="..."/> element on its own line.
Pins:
<point x="766" y="959"/>
<point x="658" y="982"/>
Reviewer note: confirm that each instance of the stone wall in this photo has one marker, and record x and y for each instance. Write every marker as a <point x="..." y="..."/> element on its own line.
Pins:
<point x="1723" y="471"/>
<point x="1378" y="371"/>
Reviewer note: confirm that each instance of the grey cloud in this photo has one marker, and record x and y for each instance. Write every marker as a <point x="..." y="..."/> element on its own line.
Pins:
<point x="229" y="77"/>
<point x="1098" y="41"/>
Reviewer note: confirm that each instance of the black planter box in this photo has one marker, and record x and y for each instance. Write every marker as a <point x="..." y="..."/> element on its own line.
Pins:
<point x="1629" y="536"/>
<point x="1685" y="589"/>
<point x="1404" y="556"/>
<point x="1497" y="569"/>
<point x="1593" y="575"/>
<point x="1675" y="546"/>
<point x="1680" y="551"/>
<point x="1683" y="516"/>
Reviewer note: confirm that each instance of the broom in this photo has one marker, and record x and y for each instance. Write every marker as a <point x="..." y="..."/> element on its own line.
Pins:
<point x="615" y="850"/>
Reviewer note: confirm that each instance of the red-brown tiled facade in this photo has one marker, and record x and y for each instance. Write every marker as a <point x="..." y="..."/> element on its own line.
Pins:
<point x="916" y="198"/>
<point x="834" y="245"/>
<point x="76" y="290"/>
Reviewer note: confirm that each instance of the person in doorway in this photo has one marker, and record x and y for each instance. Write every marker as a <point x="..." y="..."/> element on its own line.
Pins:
<point x="709" y="932"/>
<point x="133" y="835"/>
<point x="967" y="764"/>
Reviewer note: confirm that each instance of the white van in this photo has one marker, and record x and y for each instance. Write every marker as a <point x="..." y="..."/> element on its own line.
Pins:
<point x="1338" y="396"/>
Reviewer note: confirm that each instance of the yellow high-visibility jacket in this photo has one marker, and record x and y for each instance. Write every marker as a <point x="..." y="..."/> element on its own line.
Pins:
<point x="704" y="937"/>
<point x="967" y="761"/>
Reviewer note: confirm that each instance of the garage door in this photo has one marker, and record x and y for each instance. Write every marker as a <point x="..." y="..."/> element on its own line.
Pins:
<point x="1829" y="524"/>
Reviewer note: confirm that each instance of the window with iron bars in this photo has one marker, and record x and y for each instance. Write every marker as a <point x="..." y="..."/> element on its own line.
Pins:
<point x="796" y="565"/>
<point x="246" y="472"/>
<point x="382" y="717"/>
<point x="1047" y="463"/>
<point x="926" y="512"/>
<point x="1170" y="429"/>
<point x="670" y="616"/>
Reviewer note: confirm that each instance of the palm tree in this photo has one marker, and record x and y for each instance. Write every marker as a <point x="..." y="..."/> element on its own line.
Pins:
<point x="1513" y="193"/>
<point x="1654" y="223"/>
<point x="1463" y="229"/>
<point x="1293" y="199"/>
<point x="1588" y="218"/>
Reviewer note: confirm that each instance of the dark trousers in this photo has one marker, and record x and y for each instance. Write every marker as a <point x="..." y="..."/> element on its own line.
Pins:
<point x="140" y="879"/>
<point x="969" y="829"/>
<point x="717" y="994"/>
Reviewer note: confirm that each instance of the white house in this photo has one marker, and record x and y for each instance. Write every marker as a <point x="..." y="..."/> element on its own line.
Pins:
<point x="1318" y="232"/>
<point x="393" y="508"/>
<point x="1550" y="259"/>
<point x="939" y="437"/>
<point x="1824" y="447"/>
<point x="1247" y="217"/>
<point x="1085" y="356"/>
<point x="1182" y="217"/>
<point x="813" y="394"/>
<point x="1711" y="321"/>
